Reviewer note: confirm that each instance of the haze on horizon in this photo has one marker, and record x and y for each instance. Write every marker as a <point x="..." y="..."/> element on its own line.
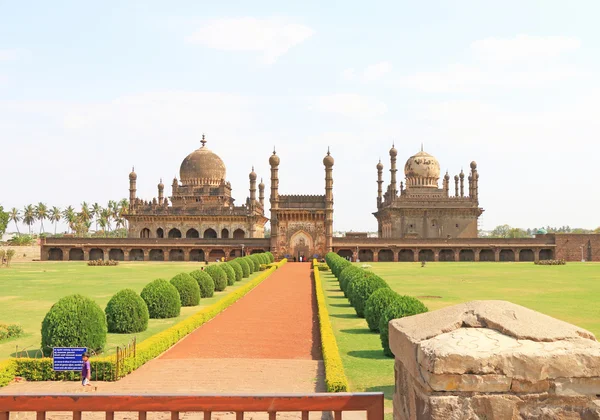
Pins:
<point x="89" y="90"/>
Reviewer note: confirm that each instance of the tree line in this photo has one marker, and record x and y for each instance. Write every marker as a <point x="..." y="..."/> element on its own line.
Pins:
<point x="507" y="231"/>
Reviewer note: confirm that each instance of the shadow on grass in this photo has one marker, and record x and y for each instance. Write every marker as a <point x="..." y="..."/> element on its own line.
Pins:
<point x="337" y="297"/>
<point x="33" y="354"/>
<point x="347" y="316"/>
<point x="369" y="354"/>
<point x="361" y="331"/>
<point x="388" y="391"/>
<point x="334" y="290"/>
<point x="341" y="305"/>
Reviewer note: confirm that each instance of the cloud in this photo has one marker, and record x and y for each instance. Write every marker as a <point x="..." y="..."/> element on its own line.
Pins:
<point x="523" y="47"/>
<point x="270" y="37"/>
<point x="351" y="105"/>
<point x="370" y="73"/>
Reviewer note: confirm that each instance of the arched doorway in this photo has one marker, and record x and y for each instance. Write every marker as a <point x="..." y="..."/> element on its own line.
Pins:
<point x="116" y="254"/>
<point x="55" y="254"/>
<point x="160" y="233"/>
<point x="157" y="255"/>
<point x="406" y="255"/>
<point x="385" y="255"/>
<point x="426" y="255"/>
<point x="96" y="254"/>
<point x="466" y="255"/>
<point x="235" y="253"/>
<point x="365" y="255"/>
<point x="145" y="233"/>
<point x="345" y="253"/>
<point x="239" y="234"/>
<point x="446" y="255"/>
<point x="197" y="255"/>
<point x="225" y="234"/>
<point x="257" y="251"/>
<point x="210" y="234"/>
<point x="136" y="255"/>
<point x="176" y="255"/>
<point x="174" y="233"/>
<point x="76" y="254"/>
<point x="192" y="233"/>
<point x="216" y="254"/>
<point x="487" y="255"/>
<point x="526" y="255"/>
<point x="507" y="255"/>
<point x="546" y="254"/>
<point x="301" y="244"/>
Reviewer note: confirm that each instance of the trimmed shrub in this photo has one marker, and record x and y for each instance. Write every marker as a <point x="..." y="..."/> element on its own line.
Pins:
<point x="162" y="299"/>
<point x="218" y="275"/>
<point x="347" y="274"/>
<point x="245" y="267"/>
<point x="270" y="256"/>
<point x="252" y="259"/>
<point x="8" y="371"/>
<point x="403" y="306"/>
<point x="361" y="289"/>
<point x="376" y="305"/>
<point x="250" y="263"/>
<point x="126" y="312"/>
<point x="205" y="282"/>
<point x="230" y="273"/>
<point x="237" y="269"/>
<point x="187" y="286"/>
<point x="336" y="263"/>
<point x="74" y="321"/>
<point x="264" y="259"/>
<point x="10" y="331"/>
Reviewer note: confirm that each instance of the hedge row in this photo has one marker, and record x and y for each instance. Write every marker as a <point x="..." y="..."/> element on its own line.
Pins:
<point x="372" y="297"/>
<point x="335" y="377"/>
<point x="104" y="367"/>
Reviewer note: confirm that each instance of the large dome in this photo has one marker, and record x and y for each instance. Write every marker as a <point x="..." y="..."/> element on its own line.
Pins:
<point x="422" y="170"/>
<point x="202" y="166"/>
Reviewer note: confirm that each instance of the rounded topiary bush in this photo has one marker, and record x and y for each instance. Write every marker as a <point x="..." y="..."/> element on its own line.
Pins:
<point x="126" y="312"/>
<point x="362" y="289"/>
<point x="187" y="286"/>
<point x="250" y="263"/>
<point x="257" y="261"/>
<point x="253" y="263"/>
<point x="347" y="274"/>
<point x="218" y="275"/>
<point x="377" y="304"/>
<point x="230" y="273"/>
<point x="205" y="282"/>
<point x="270" y="256"/>
<point x="237" y="269"/>
<point x="264" y="259"/>
<point x="245" y="267"/>
<point x="162" y="299"/>
<point x="401" y="307"/>
<point x="74" y="321"/>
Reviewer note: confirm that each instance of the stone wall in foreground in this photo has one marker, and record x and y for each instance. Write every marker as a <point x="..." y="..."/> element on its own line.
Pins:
<point x="493" y="360"/>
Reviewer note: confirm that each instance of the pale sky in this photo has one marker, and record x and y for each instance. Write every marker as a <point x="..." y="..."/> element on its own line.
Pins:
<point x="88" y="89"/>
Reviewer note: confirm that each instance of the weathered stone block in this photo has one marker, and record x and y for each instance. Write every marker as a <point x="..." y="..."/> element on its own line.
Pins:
<point x="577" y="386"/>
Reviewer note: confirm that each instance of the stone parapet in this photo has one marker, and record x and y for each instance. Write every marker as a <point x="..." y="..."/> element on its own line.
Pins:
<point x="493" y="360"/>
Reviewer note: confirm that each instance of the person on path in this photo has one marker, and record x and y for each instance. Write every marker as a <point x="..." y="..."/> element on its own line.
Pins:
<point x="86" y="370"/>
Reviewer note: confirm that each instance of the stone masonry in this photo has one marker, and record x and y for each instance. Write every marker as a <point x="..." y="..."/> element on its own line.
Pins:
<point x="493" y="360"/>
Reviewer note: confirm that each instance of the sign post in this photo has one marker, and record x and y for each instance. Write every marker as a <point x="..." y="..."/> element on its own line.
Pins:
<point x="67" y="358"/>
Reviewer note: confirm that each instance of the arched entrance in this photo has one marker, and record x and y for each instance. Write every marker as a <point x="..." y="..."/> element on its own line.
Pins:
<point x="526" y="255"/>
<point x="197" y="255"/>
<point x="385" y="255"/>
<point x="257" y="251"/>
<point x="145" y="233"/>
<point x="446" y="255"/>
<point x="239" y="234"/>
<point x="487" y="255"/>
<point x="406" y="255"/>
<point x="174" y="233"/>
<point x="345" y="253"/>
<point x="160" y="233"/>
<point x="136" y="255"/>
<point x="301" y="245"/>
<point x="365" y="255"/>
<point x="466" y="255"/>
<point x="176" y="255"/>
<point x="426" y="255"/>
<point x="546" y="254"/>
<point x="55" y="254"/>
<point x="235" y="253"/>
<point x="225" y="234"/>
<point x="210" y="234"/>
<point x="507" y="255"/>
<point x="116" y="254"/>
<point x="192" y="233"/>
<point x="157" y="255"/>
<point x="216" y="254"/>
<point x="76" y="254"/>
<point x="96" y="254"/>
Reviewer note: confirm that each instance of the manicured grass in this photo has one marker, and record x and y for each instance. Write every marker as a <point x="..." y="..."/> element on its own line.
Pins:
<point x="28" y="290"/>
<point x="569" y="293"/>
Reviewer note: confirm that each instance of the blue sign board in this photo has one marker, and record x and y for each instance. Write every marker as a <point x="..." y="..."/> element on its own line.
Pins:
<point x="67" y="358"/>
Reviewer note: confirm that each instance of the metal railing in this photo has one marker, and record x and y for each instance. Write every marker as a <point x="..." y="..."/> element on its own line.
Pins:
<point x="337" y="403"/>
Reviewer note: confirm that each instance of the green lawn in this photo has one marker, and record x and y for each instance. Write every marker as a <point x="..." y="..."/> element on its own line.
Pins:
<point x="566" y="292"/>
<point x="28" y="290"/>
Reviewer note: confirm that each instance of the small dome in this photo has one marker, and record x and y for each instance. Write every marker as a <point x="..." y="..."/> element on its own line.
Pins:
<point x="456" y="177"/>
<point x="328" y="160"/>
<point x="447" y="176"/>
<point x="274" y="159"/>
<point x="261" y="185"/>
<point x="393" y="151"/>
<point x="161" y="186"/>
<point x="541" y="231"/>
<point x="132" y="175"/>
<point x="473" y="165"/>
<point x="202" y="166"/>
<point x="422" y="170"/>
<point x="253" y="175"/>
<point x="380" y="166"/>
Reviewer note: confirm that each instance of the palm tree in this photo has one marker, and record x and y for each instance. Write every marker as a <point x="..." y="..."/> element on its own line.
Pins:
<point x="103" y="223"/>
<point x="29" y="216"/>
<point x="105" y="216"/>
<point x="41" y="213"/>
<point x="70" y="217"/>
<point x="112" y="208"/>
<point x="123" y="210"/>
<point x="96" y="211"/>
<point x="55" y="217"/>
<point x="15" y="216"/>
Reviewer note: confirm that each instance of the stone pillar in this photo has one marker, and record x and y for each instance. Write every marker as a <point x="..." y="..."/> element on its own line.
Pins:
<point x="106" y="253"/>
<point x="517" y="256"/>
<point x="375" y="255"/>
<point x="536" y="255"/>
<point x="493" y="360"/>
<point x="416" y="255"/>
<point x="166" y="254"/>
<point x="186" y="254"/>
<point x="65" y="252"/>
<point x="436" y="255"/>
<point x="86" y="254"/>
<point x="497" y="254"/>
<point x="396" y="253"/>
<point x="146" y="254"/>
<point x="456" y="255"/>
<point x="476" y="251"/>
<point x="126" y="254"/>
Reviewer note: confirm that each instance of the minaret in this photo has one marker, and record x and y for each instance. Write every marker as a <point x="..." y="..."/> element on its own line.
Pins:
<point x="174" y="185"/>
<point x="261" y="193"/>
<point x="328" y="162"/>
<point x="462" y="183"/>
<point x="274" y="163"/>
<point x="456" y="185"/>
<point x="393" y="170"/>
<point x="379" y="183"/>
<point x="252" y="202"/>
<point x="475" y="181"/>
<point x="447" y="184"/>
<point x="161" y="192"/>
<point x="132" y="189"/>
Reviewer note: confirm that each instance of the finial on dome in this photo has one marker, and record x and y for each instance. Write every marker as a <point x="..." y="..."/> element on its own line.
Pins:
<point x="203" y="141"/>
<point x="328" y="151"/>
<point x="252" y="168"/>
<point x="421" y="146"/>
<point x="274" y="150"/>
